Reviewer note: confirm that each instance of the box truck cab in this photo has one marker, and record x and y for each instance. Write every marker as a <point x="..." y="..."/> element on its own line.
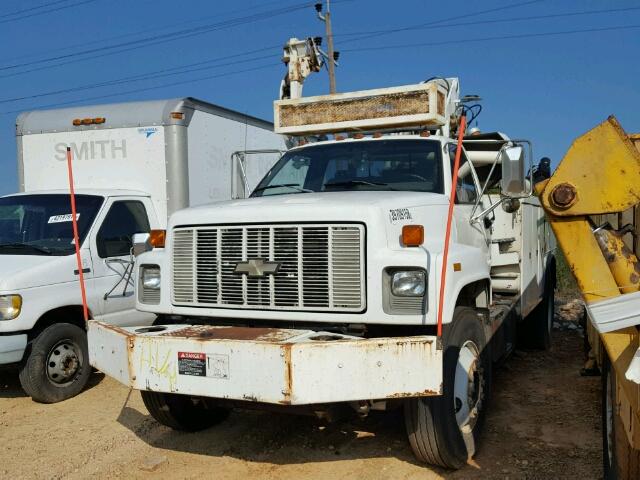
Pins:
<point x="134" y="163"/>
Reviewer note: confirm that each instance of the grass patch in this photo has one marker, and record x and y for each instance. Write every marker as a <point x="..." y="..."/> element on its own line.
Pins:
<point x="566" y="283"/>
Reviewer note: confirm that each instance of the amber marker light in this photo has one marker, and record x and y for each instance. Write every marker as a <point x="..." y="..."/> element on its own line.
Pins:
<point x="158" y="238"/>
<point x="412" y="235"/>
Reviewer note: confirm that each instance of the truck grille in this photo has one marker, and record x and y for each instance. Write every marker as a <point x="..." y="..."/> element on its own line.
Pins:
<point x="319" y="267"/>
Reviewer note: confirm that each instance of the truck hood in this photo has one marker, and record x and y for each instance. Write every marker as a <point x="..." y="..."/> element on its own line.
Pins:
<point x="304" y="207"/>
<point x="18" y="272"/>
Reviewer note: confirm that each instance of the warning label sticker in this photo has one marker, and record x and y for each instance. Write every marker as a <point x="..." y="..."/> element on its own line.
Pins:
<point x="202" y="365"/>
<point x="194" y="364"/>
<point x="218" y="366"/>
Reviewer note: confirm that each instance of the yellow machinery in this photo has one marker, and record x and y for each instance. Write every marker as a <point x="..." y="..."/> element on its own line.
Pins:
<point x="594" y="191"/>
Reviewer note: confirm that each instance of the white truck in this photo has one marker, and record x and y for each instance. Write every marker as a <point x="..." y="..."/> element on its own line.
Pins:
<point x="324" y="287"/>
<point x="134" y="164"/>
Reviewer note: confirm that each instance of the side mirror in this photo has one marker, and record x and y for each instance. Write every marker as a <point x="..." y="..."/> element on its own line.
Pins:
<point x="141" y="243"/>
<point x="514" y="182"/>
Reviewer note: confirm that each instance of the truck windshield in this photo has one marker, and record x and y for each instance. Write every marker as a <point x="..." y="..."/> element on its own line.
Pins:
<point x="41" y="224"/>
<point x="398" y="164"/>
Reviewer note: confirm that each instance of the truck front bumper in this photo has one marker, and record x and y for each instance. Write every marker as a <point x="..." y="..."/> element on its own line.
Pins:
<point x="268" y="365"/>
<point x="12" y="348"/>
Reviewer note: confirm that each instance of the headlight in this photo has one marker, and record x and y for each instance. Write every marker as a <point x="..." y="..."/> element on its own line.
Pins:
<point x="151" y="278"/>
<point x="410" y="283"/>
<point x="10" y="306"/>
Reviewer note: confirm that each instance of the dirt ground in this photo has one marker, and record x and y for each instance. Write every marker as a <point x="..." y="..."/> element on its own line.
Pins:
<point x="543" y="424"/>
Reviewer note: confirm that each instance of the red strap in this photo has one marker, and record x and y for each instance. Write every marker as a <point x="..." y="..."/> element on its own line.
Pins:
<point x="76" y="239"/>
<point x="452" y="200"/>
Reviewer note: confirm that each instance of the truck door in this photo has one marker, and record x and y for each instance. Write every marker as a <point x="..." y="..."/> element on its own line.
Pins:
<point x="477" y="234"/>
<point x="113" y="262"/>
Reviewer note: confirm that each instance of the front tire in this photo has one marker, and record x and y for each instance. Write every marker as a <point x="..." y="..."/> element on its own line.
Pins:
<point x="445" y="430"/>
<point x="57" y="367"/>
<point x="183" y="412"/>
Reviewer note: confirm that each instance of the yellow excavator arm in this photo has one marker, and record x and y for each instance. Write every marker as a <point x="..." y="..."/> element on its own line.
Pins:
<point x="600" y="176"/>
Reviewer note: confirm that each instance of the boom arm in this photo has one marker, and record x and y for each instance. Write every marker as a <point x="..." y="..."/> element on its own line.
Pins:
<point x="599" y="175"/>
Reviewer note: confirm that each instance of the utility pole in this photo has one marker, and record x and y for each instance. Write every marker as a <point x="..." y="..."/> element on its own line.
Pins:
<point x="326" y="18"/>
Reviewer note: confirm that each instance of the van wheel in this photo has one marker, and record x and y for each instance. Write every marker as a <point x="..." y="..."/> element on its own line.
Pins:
<point x="444" y="430"/>
<point x="57" y="366"/>
<point x="620" y="460"/>
<point x="536" y="328"/>
<point x="183" y="412"/>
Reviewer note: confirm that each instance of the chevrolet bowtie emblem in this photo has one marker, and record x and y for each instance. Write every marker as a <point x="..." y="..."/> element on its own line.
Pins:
<point x="257" y="268"/>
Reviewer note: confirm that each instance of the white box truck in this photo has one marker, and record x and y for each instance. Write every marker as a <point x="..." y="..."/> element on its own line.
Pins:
<point x="134" y="164"/>
<point x="326" y="286"/>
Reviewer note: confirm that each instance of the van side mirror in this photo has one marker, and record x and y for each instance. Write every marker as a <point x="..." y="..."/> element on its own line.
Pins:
<point x="141" y="243"/>
<point x="514" y="182"/>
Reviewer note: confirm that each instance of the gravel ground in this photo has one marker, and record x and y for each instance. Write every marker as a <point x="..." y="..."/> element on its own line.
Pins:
<point x="543" y="424"/>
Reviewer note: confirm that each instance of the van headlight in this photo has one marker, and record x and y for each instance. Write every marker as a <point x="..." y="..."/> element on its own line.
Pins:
<point x="151" y="277"/>
<point x="409" y="283"/>
<point x="10" y="306"/>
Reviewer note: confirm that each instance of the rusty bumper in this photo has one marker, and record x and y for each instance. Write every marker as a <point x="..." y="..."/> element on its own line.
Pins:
<point x="279" y="366"/>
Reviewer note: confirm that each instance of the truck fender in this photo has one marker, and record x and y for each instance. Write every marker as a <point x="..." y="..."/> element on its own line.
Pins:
<point x="72" y="314"/>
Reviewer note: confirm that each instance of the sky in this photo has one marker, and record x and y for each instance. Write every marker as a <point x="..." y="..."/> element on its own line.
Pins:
<point x="547" y="70"/>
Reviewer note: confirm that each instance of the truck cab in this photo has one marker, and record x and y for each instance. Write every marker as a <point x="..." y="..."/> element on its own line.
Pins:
<point x="362" y="270"/>
<point x="42" y="315"/>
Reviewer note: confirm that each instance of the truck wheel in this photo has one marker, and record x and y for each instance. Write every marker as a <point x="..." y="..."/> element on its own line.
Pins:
<point x="444" y="430"/>
<point x="183" y="412"/>
<point x="621" y="460"/>
<point x="536" y="328"/>
<point x="57" y="366"/>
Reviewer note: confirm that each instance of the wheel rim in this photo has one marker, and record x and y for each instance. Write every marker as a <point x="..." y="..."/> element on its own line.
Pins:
<point x="64" y="362"/>
<point x="609" y="419"/>
<point x="468" y="384"/>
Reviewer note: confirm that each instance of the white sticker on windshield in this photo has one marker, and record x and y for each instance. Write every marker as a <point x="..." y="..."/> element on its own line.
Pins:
<point x="62" y="218"/>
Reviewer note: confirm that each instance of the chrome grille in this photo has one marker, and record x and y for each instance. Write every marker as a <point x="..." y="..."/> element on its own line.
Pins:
<point x="321" y="267"/>
<point x="183" y="266"/>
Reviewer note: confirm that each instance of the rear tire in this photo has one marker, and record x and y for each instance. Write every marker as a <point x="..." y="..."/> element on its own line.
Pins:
<point x="536" y="328"/>
<point x="57" y="366"/>
<point x="445" y="430"/>
<point x="183" y="412"/>
<point x="620" y="460"/>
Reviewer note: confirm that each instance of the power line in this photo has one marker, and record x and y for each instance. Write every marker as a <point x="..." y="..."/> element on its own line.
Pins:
<point x="500" y="20"/>
<point x="501" y="37"/>
<point x="133" y="34"/>
<point x="30" y="9"/>
<point x="270" y="65"/>
<point x="155" y="87"/>
<point x="42" y="12"/>
<point x="447" y="19"/>
<point x="167" y="72"/>
<point x="170" y="36"/>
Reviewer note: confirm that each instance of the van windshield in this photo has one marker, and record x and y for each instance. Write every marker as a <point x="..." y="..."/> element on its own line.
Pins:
<point x="41" y="224"/>
<point x="399" y="164"/>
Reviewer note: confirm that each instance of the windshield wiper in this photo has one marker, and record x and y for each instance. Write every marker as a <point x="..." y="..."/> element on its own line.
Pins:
<point x="347" y="183"/>
<point x="37" y="248"/>
<point x="294" y="186"/>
